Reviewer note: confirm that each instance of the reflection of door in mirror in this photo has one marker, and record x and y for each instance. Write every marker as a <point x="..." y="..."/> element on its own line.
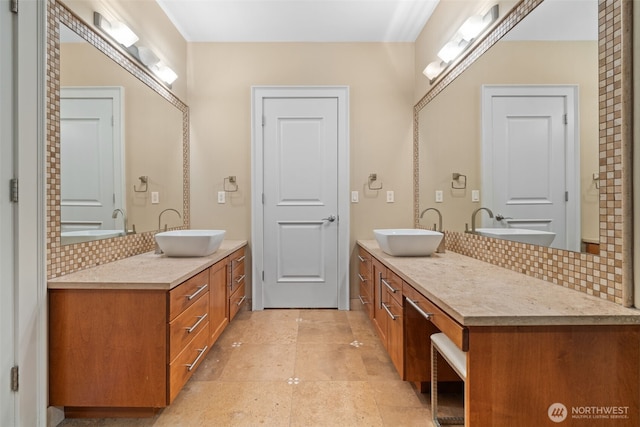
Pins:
<point x="530" y="162"/>
<point x="91" y="158"/>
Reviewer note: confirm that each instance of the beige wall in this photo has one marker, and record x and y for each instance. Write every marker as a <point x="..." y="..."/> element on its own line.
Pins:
<point x="149" y="22"/>
<point x="380" y="79"/>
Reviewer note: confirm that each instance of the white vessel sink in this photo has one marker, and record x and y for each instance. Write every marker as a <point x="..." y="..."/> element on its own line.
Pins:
<point x="522" y="235"/>
<point x="408" y="241"/>
<point x="78" y="236"/>
<point x="189" y="243"/>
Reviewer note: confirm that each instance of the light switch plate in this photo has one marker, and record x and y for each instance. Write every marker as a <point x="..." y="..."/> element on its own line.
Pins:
<point x="475" y="195"/>
<point x="155" y="197"/>
<point x="354" y="197"/>
<point x="221" y="196"/>
<point x="439" y="196"/>
<point x="390" y="197"/>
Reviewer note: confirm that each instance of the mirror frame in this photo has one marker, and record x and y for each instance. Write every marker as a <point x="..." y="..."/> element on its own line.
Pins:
<point x="609" y="274"/>
<point x="64" y="259"/>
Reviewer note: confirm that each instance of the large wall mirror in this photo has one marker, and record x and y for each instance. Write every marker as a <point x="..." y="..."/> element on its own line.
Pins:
<point x="570" y="53"/>
<point x="120" y="147"/>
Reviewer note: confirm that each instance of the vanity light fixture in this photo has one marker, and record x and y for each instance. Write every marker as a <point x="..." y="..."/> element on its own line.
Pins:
<point x="123" y="35"/>
<point x="115" y="29"/>
<point x="165" y="73"/>
<point x="471" y="28"/>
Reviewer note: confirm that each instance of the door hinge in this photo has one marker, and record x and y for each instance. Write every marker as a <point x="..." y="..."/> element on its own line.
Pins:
<point x="263" y="275"/>
<point x="14" y="6"/>
<point x="566" y="196"/>
<point x="263" y="121"/>
<point x="14" y="378"/>
<point x="13" y="192"/>
<point x="263" y="198"/>
<point x="566" y="119"/>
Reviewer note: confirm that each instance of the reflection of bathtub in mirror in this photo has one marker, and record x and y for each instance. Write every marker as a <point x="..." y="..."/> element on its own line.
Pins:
<point x="79" y="236"/>
<point x="522" y="235"/>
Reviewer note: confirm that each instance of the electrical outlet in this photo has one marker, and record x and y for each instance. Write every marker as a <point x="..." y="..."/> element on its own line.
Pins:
<point x="221" y="196"/>
<point x="475" y="195"/>
<point x="439" y="196"/>
<point x="155" y="197"/>
<point x="390" y="197"/>
<point x="354" y="197"/>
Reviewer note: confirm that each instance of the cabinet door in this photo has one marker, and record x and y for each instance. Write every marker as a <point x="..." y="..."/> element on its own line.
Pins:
<point x="380" y="297"/>
<point x="218" y="299"/>
<point x="395" y="339"/>
<point x="114" y="356"/>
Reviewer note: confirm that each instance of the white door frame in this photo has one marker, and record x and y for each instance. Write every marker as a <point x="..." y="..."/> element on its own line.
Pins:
<point x="31" y="270"/>
<point x="258" y="93"/>
<point x="8" y="288"/>
<point x="572" y="167"/>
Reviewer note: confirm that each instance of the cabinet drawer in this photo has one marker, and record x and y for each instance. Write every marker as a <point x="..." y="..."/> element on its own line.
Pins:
<point x="456" y="332"/>
<point x="185" y="294"/>
<point x="187" y="325"/>
<point x="366" y="298"/>
<point x="365" y="280"/>
<point x="236" y="300"/>
<point x="236" y="270"/>
<point x="393" y="285"/>
<point x="364" y="263"/>
<point x="181" y="369"/>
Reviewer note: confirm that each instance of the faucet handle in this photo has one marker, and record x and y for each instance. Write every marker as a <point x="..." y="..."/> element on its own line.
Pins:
<point x="500" y="217"/>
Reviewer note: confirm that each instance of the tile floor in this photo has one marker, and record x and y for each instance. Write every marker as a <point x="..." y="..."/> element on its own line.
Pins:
<point x="294" y="368"/>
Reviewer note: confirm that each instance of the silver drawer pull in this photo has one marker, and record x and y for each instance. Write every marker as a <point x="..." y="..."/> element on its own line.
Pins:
<point x="200" y="289"/>
<point x="391" y="288"/>
<point x="238" y="260"/>
<point x="240" y="279"/>
<point x="419" y="310"/>
<point x="362" y="259"/>
<point x="241" y="300"/>
<point x="362" y="279"/>
<point x="363" y="301"/>
<point x="195" y="362"/>
<point x="200" y="319"/>
<point x="386" y="307"/>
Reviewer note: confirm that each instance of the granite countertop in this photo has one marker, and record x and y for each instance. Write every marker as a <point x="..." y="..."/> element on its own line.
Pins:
<point x="146" y="271"/>
<point x="476" y="293"/>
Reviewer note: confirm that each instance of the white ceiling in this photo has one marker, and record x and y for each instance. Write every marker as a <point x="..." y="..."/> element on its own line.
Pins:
<point x="299" y="20"/>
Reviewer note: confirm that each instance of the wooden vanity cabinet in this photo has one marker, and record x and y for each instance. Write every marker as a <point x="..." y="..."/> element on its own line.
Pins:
<point x="236" y="279"/>
<point x="121" y="352"/>
<point x="388" y="313"/>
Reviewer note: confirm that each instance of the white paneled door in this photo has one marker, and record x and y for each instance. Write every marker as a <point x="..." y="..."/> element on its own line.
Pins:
<point x="529" y="166"/>
<point x="90" y="157"/>
<point x="301" y="218"/>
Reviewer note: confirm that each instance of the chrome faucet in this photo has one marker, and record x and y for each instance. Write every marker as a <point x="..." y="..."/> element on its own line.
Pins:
<point x="160" y="218"/>
<point x="114" y="215"/>
<point x="441" y="247"/>
<point x="439" y="217"/>
<point x="157" y="249"/>
<point x="475" y="213"/>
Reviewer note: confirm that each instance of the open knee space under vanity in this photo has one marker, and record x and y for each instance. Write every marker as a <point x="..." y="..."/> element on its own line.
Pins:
<point x="534" y="351"/>
<point x="125" y="337"/>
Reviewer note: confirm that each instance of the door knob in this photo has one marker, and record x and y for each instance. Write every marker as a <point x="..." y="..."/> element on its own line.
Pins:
<point x="330" y="218"/>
